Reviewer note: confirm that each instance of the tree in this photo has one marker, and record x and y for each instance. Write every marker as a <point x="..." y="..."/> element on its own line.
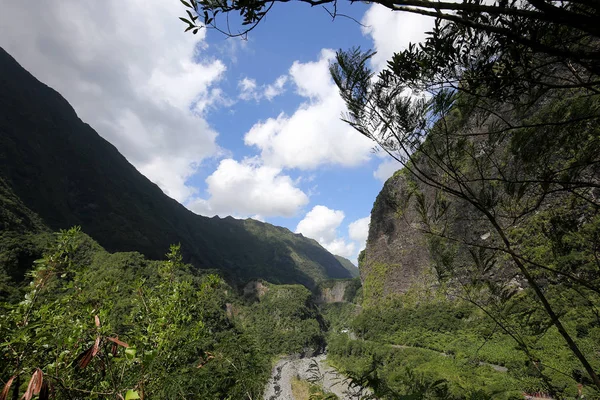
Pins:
<point x="504" y="159"/>
<point x="523" y="23"/>
<point x="99" y="325"/>
<point x="497" y="110"/>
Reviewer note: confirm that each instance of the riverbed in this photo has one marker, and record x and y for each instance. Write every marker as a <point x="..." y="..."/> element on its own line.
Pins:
<point x="287" y="368"/>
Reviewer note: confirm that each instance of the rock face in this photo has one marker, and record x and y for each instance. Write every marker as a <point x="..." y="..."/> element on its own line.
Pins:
<point x="255" y="289"/>
<point x="333" y="291"/>
<point x="396" y="255"/>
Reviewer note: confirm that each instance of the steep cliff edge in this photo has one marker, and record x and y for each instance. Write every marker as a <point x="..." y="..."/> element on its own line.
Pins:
<point x="396" y="255"/>
<point x="478" y="196"/>
<point x="337" y="291"/>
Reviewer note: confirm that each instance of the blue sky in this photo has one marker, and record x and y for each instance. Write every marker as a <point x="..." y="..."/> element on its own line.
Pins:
<point x="248" y="128"/>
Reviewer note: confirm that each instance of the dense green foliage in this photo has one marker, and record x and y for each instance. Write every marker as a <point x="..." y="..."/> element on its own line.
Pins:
<point x="99" y="324"/>
<point x="399" y="373"/>
<point x="465" y="337"/>
<point x="284" y="321"/>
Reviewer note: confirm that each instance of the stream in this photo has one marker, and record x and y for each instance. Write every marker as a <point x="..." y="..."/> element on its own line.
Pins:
<point x="280" y="383"/>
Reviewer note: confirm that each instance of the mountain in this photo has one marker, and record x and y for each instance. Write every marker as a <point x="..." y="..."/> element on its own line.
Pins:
<point x="60" y="170"/>
<point x="479" y="207"/>
<point x="349" y="265"/>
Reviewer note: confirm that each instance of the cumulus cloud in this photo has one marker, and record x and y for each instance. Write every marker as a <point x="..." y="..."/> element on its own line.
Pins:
<point x="249" y="90"/>
<point x="314" y="134"/>
<point x="321" y="223"/>
<point x="128" y="70"/>
<point x="386" y="169"/>
<point x="249" y="188"/>
<point x="276" y="88"/>
<point x="359" y="231"/>
<point x="392" y="31"/>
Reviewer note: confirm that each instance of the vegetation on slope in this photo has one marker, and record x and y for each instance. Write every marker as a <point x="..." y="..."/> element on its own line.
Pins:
<point x="353" y="269"/>
<point x="101" y="325"/>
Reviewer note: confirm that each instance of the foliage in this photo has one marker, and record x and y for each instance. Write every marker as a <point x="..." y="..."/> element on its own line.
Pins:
<point x="348" y="265"/>
<point x="159" y="330"/>
<point x="304" y="390"/>
<point x="467" y="344"/>
<point x="339" y="316"/>
<point x="503" y="33"/>
<point x="352" y="293"/>
<point x="399" y="373"/>
<point x="501" y="137"/>
<point x="284" y="321"/>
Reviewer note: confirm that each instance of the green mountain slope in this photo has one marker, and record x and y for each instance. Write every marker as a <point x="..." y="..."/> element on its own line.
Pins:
<point x="350" y="267"/>
<point x="63" y="171"/>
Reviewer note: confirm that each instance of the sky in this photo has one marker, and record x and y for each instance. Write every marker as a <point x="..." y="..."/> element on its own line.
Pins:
<point x="249" y="128"/>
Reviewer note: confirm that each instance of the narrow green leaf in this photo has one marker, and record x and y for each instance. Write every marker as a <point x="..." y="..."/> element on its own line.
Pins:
<point x="185" y="3"/>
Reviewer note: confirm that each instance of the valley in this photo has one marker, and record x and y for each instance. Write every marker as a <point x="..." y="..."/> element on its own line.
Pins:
<point x="479" y="278"/>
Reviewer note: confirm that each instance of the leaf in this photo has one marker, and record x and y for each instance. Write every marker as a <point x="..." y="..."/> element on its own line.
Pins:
<point x="130" y="353"/>
<point x="149" y="356"/>
<point x="96" y="346"/>
<point x="186" y="21"/>
<point x="84" y="358"/>
<point x="6" y="388"/>
<point x="185" y="3"/>
<point x="35" y="384"/>
<point x="131" y="395"/>
<point x="117" y="341"/>
<point x="97" y="320"/>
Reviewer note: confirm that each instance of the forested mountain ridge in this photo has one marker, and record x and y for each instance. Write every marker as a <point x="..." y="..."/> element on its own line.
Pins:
<point x="59" y="168"/>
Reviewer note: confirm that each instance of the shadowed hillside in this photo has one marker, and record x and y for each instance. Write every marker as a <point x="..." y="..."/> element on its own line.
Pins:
<point x="63" y="171"/>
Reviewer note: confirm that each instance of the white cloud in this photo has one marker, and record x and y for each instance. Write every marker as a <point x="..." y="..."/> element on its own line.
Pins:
<point x="322" y="223"/>
<point x="386" y="169"/>
<point x="314" y="135"/>
<point x="129" y="71"/>
<point x="276" y="88"/>
<point x="249" y="90"/>
<point x="248" y="188"/>
<point x="392" y="31"/>
<point x="359" y="231"/>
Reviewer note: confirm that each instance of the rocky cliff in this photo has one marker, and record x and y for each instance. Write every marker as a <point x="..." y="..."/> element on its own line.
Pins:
<point x="396" y="255"/>
<point x="337" y="291"/>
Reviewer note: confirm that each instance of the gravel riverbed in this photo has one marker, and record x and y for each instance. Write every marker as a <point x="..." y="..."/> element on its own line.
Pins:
<point x="280" y="383"/>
